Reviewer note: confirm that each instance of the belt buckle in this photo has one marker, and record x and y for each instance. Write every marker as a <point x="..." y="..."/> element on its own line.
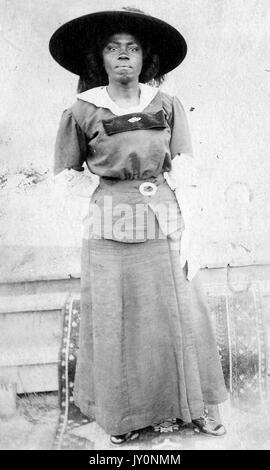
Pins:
<point x="147" y="188"/>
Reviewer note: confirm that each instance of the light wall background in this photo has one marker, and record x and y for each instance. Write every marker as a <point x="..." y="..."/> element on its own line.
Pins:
<point x="224" y="86"/>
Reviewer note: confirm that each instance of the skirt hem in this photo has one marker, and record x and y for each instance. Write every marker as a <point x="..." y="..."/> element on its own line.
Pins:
<point x="144" y="420"/>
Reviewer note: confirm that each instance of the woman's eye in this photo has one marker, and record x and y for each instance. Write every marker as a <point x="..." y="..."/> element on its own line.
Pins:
<point x="112" y="48"/>
<point x="116" y="48"/>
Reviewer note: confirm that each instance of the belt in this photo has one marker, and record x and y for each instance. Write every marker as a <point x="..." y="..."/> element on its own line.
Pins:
<point x="147" y="187"/>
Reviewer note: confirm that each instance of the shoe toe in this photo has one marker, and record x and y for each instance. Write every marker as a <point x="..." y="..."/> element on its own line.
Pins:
<point x="121" y="439"/>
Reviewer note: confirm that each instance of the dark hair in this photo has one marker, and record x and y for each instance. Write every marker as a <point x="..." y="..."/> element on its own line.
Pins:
<point x="94" y="73"/>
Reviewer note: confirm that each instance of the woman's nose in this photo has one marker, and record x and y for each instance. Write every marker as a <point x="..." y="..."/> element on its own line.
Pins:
<point x="123" y="52"/>
<point x="123" y="56"/>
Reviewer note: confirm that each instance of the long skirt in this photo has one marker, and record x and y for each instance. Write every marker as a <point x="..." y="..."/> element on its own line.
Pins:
<point x="147" y="345"/>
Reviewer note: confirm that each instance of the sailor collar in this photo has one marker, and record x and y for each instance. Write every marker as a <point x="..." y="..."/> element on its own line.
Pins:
<point x="100" y="98"/>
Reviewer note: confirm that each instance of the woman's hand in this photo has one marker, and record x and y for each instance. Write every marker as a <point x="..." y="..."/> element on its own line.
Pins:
<point x="184" y="180"/>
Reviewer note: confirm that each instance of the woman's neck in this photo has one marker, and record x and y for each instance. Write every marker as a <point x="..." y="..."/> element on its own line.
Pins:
<point x="124" y="95"/>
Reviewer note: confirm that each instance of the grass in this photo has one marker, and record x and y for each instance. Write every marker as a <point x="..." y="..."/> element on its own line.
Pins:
<point x="34" y="406"/>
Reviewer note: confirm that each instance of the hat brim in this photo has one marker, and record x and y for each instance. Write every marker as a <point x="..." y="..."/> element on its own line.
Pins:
<point x="73" y="40"/>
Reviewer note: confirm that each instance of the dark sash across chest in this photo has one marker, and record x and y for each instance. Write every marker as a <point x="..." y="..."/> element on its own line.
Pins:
<point x="134" y="121"/>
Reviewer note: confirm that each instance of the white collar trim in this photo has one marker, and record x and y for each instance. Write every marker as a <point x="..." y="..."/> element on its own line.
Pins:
<point x="100" y="98"/>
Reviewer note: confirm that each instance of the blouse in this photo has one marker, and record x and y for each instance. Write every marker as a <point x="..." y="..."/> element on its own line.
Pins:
<point x="134" y="143"/>
<point x="128" y="146"/>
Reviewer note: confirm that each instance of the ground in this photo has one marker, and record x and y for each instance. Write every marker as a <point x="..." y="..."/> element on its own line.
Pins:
<point x="34" y="424"/>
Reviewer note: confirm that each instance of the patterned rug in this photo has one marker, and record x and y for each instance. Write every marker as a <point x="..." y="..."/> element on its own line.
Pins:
<point x="241" y="341"/>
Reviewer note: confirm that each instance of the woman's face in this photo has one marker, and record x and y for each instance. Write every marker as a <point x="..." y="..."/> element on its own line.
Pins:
<point x="123" y="58"/>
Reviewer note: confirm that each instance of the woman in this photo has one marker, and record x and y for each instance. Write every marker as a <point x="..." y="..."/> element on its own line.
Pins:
<point x="147" y="348"/>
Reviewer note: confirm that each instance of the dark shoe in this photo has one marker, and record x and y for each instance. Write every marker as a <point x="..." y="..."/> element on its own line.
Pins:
<point x="206" y="425"/>
<point x="120" y="439"/>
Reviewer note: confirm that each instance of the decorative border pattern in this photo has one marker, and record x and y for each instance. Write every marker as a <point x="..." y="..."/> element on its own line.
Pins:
<point x="242" y="342"/>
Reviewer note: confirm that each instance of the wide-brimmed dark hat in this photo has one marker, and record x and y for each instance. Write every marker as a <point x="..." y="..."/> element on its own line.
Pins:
<point x="70" y="43"/>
